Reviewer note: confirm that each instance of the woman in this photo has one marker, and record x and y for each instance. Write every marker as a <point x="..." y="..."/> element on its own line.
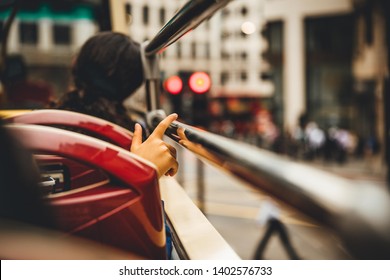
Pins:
<point x="107" y="70"/>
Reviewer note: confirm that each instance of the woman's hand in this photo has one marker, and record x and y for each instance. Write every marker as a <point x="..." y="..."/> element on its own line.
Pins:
<point x="154" y="149"/>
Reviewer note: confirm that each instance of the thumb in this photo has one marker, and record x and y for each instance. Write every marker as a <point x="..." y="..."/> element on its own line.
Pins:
<point x="137" y="137"/>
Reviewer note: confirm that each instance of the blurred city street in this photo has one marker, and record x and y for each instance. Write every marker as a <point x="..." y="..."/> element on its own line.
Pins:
<point x="237" y="211"/>
<point x="305" y="80"/>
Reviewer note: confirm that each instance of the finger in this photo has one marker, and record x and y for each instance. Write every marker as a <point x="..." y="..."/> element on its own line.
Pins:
<point x="181" y="133"/>
<point x="184" y="143"/>
<point x="137" y="137"/>
<point x="163" y="125"/>
<point x="173" y="170"/>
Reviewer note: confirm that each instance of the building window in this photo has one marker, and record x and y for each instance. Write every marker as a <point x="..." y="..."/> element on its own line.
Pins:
<point x="225" y="55"/>
<point x="128" y="9"/>
<point x="225" y="12"/>
<point x="244" y="11"/>
<point x="208" y="51"/>
<point x="178" y="49"/>
<point x="207" y="24"/>
<point x="225" y="35"/>
<point x="28" y="33"/>
<point x="193" y="50"/>
<point x="162" y="16"/>
<point x="243" y="76"/>
<point x="145" y="14"/>
<point x="243" y="55"/>
<point x="128" y="16"/>
<point x="332" y="52"/>
<point x="224" y="78"/>
<point x="61" y="34"/>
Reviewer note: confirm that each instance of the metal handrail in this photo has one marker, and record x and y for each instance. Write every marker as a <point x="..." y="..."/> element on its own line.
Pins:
<point x="358" y="212"/>
<point x="187" y="18"/>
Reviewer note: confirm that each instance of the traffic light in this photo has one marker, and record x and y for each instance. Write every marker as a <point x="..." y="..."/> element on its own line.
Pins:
<point x="188" y="96"/>
<point x="200" y="83"/>
<point x="174" y="86"/>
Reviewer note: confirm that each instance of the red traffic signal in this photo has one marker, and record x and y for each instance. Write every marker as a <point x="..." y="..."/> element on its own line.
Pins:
<point x="173" y="85"/>
<point x="199" y="82"/>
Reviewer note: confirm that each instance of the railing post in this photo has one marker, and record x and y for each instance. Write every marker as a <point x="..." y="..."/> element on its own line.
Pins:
<point x="152" y="79"/>
<point x="200" y="184"/>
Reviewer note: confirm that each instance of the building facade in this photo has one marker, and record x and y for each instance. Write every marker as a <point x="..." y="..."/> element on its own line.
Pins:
<point x="228" y="46"/>
<point x="332" y="62"/>
<point x="47" y="37"/>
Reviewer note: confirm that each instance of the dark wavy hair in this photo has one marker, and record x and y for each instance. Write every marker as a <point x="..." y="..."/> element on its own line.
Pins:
<point x="108" y="65"/>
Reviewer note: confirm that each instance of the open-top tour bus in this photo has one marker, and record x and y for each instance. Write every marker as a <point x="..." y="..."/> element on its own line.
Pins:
<point x="101" y="191"/>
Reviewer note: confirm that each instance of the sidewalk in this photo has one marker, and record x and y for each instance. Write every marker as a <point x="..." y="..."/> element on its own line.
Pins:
<point x="234" y="210"/>
<point x="370" y="169"/>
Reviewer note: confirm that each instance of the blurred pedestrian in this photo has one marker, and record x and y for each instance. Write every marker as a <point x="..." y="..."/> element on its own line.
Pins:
<point x="315" y="139"/>
<point x="22" y="92"/>
<point x="266" y="129"/>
